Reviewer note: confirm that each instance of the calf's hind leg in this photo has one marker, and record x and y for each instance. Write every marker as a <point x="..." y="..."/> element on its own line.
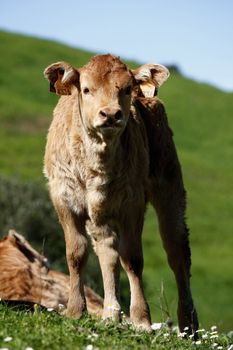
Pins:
<point x="170" y="207"/>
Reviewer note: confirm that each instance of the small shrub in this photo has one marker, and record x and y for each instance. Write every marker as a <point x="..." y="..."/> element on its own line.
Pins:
<point x="27" y="208"/>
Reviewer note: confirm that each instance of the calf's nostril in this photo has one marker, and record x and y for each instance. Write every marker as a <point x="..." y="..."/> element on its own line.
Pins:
<point x="103" y="114"/>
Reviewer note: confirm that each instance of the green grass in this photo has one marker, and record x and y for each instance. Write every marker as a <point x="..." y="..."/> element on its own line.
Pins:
<point x="201" y="118"/>
<point x="40" y="329"/>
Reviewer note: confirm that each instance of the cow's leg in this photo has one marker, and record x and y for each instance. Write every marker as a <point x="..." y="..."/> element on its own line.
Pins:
<point x="131" y="257"/>
<point x="170" y="206"/>
<point x="76" y="254"/>
<point x="109" y="263"/>
<point x="105" y="242"/>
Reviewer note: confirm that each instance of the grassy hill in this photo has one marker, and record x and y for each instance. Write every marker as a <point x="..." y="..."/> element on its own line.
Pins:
<point x="201" y="118"/>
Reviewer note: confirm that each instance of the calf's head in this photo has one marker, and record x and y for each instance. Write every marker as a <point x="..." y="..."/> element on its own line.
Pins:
<point x="104" y="88"/>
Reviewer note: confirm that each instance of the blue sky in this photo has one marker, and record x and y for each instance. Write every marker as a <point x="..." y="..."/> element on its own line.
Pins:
<point x="195" y="35"/>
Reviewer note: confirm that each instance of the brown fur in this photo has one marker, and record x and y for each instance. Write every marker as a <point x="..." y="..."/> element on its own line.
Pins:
<point x="110" y="151"/>
<point x="25" y="276"/>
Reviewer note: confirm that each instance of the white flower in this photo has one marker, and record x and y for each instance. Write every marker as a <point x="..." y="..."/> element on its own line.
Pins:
<point x="201" y="330"/>
<point x="175" y="329"/>
<point x="93" y="335"/>
<point x="191" y="336"/>
<point x="213" y="328"/>
<point x="186" y="328"/>
<point x="198" y="342"/>
<point x="50" y="309"/>
<point x="182" y="334"/>
<point x="4" y="349"/>
<point x="214" y="345"/>
<point x="156" y="326"/>
<point x="7" y="339"/>
<point x="215" y="332"/>
<point x="166" y="335"/>
<point x="220" y="347"/>
<point x="214" y="336"/>
<point x="204" y="336"/>
<point x="89" y="347"/>
<point x="29" y="348"/>
<point x="230" y="347"/>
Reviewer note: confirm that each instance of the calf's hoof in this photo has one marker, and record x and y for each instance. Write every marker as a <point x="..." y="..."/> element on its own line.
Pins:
<point x="143" y="327"/>
<point x="112" y="312"/>
<point x="72" y="314"/>
<point x="75" y="311"/>
<point x="188" y="320"/>
<point x="140" y="317"/>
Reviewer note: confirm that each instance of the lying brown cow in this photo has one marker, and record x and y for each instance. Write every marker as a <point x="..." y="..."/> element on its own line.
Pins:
<point x="25" y="276"/>
<point x="110" y="152"/>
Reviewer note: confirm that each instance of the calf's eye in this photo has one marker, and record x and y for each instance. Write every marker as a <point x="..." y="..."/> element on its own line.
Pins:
<point x="86" y="91"/>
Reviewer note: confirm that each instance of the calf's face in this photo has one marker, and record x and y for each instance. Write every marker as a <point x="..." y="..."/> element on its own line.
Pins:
<point x="105" y="95"/>
<point x="104" y="89"/>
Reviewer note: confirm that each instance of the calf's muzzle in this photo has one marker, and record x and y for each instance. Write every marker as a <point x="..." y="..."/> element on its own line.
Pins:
<point x="110" y="117"/>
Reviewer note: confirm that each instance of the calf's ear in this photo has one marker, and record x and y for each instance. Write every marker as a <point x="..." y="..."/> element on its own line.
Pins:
<point x="150" y="77"/>
<point x="62" y="76"/>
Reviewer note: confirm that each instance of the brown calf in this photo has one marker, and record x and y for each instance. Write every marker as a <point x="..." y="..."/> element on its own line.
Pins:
<point x="25" y="276"/>
<point x="109" y="152"/>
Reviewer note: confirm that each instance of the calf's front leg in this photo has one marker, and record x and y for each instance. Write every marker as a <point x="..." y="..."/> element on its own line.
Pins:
<point x="105" y="243"/>
<point x="76" y="254"/>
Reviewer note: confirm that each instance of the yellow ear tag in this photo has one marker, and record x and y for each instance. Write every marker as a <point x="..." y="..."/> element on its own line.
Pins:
<point x="148" y="89"/>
